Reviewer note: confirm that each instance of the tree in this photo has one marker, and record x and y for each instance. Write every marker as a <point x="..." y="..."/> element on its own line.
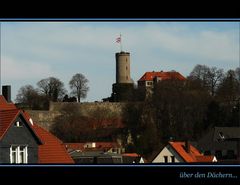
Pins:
<point x="52" y="87"/>
<point x="209" y="77"/>
<point x="79" y="86"/>
<point x="28" y="96"/>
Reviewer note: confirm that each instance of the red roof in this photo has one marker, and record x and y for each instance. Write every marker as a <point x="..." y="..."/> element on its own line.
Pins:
<point x="4" y="105"/>
<point x="131" y="154"/>
<point x="149" y="76"/>
<point x="6" y="119"/>
<point x="51" y="149"/>
<point x="205" y="158"/>
<point x="192" y="156"/>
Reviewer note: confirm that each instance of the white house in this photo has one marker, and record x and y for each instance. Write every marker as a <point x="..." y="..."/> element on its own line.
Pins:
<point x="176" y="152"/>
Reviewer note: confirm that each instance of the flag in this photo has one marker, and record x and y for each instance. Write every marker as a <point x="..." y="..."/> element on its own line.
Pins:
<point x="118" y="39"/>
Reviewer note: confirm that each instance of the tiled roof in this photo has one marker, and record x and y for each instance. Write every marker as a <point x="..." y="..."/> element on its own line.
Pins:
<point x="52" y="150"/>
<point x="6" y="119"/>
<point x="4" y="105"/>
<point x="131" y="154"/>
<point x="149" y="76"/>
<point x="208" y="158"/>
<point x="192" y="156"/>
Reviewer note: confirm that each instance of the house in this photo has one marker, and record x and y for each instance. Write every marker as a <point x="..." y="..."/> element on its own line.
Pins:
<point x="223" y="142"/>
<point x="95" y="157"/>
<point x="150" y="78"/>
<point x="95" y="152"/>
<point x="112" y="147"/>
<point x="182" y="152"/>
<point x="23" y="141"/>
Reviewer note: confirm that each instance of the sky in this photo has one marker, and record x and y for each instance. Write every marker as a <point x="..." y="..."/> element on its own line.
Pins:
<point x="31" y="51"/>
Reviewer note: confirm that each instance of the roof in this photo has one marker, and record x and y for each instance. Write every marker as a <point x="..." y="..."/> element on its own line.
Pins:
<point x="220" y="138"/>
<point x="98" y="146"/>
<point x="131" y="155"/>
<point x="205" y="158"/>
<point x="51" y="149"/>
<point x="6" y="119"/>
<point x="149" y="76"/>
<point x="226" y="132"/>
<point x="4" y="105"/>
<point x="192" y="156"/>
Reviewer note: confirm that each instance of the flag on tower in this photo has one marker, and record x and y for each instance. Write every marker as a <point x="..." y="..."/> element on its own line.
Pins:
<point x="118" y="40"/>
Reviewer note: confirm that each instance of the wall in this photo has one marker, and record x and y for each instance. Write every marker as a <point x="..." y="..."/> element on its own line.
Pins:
<point x="46" y="118"/>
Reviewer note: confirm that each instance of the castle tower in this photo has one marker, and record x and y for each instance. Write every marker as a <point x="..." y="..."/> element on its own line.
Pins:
<point x="123" y="68"/>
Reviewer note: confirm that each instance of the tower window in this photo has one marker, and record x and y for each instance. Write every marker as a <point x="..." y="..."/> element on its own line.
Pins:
<point x="126" y="68"/>
<point x="127" y="77"/>
<point x="126" y="59"/>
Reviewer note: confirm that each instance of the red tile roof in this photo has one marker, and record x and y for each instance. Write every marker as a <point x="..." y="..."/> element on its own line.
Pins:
<point x="192" y="156"/>
<point x="51" y="149"/>
<point x="205" y="158"/>
<point x="149" y="76"/>
<point x="4" y="105"/>
<point x="6" y="119"/>
<point x="131" y="154"/>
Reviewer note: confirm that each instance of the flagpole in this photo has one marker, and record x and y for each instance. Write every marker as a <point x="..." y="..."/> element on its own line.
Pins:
<point x="120" y="42"/>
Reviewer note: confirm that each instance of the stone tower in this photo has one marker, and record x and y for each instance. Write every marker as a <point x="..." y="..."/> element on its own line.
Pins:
<point x="123" y="68"/>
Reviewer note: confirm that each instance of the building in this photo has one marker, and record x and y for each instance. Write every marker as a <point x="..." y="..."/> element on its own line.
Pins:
<point x="124" y="83"/>
<point x="182" y="152"/>
<point x="149" y="79"/>
<point x="223" y="142"/>
<point x="23" y="141"/>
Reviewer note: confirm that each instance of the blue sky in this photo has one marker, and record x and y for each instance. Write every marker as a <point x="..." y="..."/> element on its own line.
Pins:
<point x="32" y="51"/>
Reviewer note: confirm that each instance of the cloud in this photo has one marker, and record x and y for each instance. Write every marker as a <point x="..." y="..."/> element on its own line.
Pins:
<point x="38" y="50"/>
<point x="13" y="69"/>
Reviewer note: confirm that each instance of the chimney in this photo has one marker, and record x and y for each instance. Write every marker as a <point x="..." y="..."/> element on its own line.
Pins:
<point x="187" y="146"/>
<point x="6" y="92"/>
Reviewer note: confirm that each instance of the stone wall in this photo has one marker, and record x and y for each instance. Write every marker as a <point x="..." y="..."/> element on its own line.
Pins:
<point x="85" y="108"/>
<point x="43" y="118"/>
<point x="46" y="118"/>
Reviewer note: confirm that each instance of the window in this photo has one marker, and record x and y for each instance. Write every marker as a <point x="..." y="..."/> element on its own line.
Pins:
<point x="18" y="154"/>
<point x="173" y="159"/>
<point x="127" y="77"/>
<point x="126" y="68"/>
<point x="18" y="124"/>
<point x="149" y="83"/>
<point x="165" y="159"/>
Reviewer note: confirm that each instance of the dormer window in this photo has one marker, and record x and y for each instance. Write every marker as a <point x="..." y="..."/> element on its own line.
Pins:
<point x="18" y="124"/>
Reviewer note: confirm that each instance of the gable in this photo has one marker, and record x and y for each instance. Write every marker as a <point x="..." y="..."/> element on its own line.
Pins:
<point x="20" y="134"/>
<point x="167" y="151"/>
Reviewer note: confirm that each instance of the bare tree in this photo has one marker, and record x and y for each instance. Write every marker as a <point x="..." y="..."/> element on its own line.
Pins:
<point x="214" y="77"/>
<point x="79" y="86"/>
<point x="52" y="87"/>
<point x="209" y="77"/>
<point x="29" y="97"/>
